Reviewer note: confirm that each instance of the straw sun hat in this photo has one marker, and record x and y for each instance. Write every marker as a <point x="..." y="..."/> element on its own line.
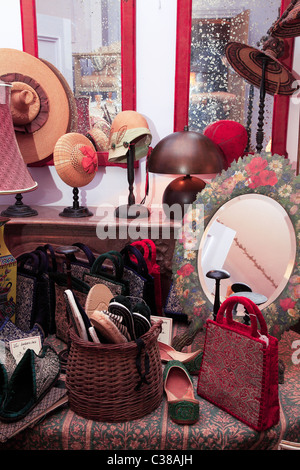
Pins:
<point x="41" y="103"/>
<point x="75" y="159"/>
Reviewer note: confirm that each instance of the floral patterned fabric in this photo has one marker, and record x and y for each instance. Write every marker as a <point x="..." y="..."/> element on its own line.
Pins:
<point x="216" y="429"/>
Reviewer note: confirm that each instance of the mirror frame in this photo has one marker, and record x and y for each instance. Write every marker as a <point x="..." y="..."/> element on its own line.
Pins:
<point x="128" y="38"/>
<point x="182" y="81"/>
<point x="283" y="188"/>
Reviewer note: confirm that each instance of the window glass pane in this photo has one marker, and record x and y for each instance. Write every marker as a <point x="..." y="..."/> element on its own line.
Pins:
<point x="82" y="39"/>
<point x="216" y="90"/>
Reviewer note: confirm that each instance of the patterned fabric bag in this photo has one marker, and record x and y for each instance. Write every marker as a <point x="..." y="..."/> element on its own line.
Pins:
<point x="79" y="266"/>
<point x="33" y="302"/>
<point x="173" y="307"/>
<point x="239" y="370"/>
<point x="108" y="269"/>
<point x="79" y="288"/>
<point x="141" y="283"/>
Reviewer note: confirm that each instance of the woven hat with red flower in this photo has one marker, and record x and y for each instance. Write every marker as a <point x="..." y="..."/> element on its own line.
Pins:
<point x="75" y="159"/>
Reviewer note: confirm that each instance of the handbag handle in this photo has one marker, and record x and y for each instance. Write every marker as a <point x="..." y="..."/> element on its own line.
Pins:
<point x="49" y="248"/>
<point x="86" y="250"/>
<point x="116" y="261"/>
<point x="141" y="266"/>
<point x="151" y="244"/>
<point x="34" y="260"/>
<point x="252" y="309"/>
<point x="143" y="247"/>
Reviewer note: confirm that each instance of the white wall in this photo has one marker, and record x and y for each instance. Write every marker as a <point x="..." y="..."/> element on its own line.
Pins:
<point x="10" y="25"/>
<point x="156" y="46"/>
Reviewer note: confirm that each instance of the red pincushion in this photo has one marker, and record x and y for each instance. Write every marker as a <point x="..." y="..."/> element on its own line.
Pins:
<point x="230" y="136"/>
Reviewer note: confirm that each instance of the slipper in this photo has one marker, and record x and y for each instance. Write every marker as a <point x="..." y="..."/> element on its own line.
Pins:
<point x="98" y="298"/>
<point x="192" y="361"/>
<point x="32" y="378"/>
<point x="141" y="324"/>
<point x="79" y="318"/>
<point x="183" y="408"/>
<point x="107" y="328"/>
<point x="121" y="306"/>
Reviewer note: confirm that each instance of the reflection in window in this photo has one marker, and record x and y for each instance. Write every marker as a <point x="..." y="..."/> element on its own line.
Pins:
<point x="82" y="38"/>
<point x="216" y="90"/>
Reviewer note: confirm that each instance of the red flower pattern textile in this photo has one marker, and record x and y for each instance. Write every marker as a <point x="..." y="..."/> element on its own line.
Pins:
<point x="186" y="270"/>
<point x="287" y="303"/>
<point x="232" y="373"/>
<point x="256" y="165"/>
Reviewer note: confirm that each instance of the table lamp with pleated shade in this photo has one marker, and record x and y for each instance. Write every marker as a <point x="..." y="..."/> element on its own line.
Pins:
<point x="14" y="175"/>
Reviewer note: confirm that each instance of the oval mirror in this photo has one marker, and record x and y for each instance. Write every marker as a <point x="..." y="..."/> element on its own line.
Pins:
<point x="269" y="183"/>
<point x="253" y="239"/>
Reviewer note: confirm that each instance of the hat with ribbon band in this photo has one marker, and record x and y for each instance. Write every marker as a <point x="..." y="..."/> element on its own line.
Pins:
<point x="129" y="127"/>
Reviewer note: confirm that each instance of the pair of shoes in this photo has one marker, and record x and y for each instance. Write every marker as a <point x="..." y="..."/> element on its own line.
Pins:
<point x="192" y="361"/>
<point x="135" y="316"/>
<point x="183" y="408"/>
<point x="31" y="379"/>
<point x="10" y="332"/>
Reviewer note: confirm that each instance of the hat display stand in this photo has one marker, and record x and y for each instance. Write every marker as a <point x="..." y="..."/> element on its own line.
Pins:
<point x="261" y="109"/>
<point x="76" y="211"/>
<point x="14" y="175"/>
<point x="76" y="163"/>
<point x="262" y="69"/>
<point x="131" y="210"/>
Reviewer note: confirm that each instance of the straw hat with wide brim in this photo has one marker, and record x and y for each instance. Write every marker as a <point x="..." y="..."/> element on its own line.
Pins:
<point x="38" y="133"/>
<point x="75" y="159"/>
<point x="247" y="62"/>
<point x="288" y="25"/>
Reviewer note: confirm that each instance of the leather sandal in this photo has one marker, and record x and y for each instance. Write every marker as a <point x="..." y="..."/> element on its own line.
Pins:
<point x="192" y="361"/>
<point x="182" y="406"/>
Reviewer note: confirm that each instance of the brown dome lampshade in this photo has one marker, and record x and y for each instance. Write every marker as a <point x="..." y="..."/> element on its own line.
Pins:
<point x="185" y="153"/>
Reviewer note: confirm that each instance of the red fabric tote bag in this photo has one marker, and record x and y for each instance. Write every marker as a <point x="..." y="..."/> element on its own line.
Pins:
<point x="239" y="370"/>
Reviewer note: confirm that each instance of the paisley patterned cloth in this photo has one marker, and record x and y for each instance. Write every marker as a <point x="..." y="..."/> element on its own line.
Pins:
<point x="216" y="429"/>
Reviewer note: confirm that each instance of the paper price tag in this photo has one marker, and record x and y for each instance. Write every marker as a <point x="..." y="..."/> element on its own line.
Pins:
<point x="18" y="347"/>
<point x="166" y="332"/>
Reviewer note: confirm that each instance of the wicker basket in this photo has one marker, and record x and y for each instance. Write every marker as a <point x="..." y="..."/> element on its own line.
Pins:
<point x="115" y="382"/>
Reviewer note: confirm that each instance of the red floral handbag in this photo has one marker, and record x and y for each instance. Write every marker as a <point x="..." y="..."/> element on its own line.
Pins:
<point x="239" y="370"/>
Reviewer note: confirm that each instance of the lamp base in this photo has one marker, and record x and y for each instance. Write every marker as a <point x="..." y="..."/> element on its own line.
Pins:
<point x="77" y="212"/>
<point x="133" y="211"/>
<point x="19" y="209"/>
<point x="179" y="194"/>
